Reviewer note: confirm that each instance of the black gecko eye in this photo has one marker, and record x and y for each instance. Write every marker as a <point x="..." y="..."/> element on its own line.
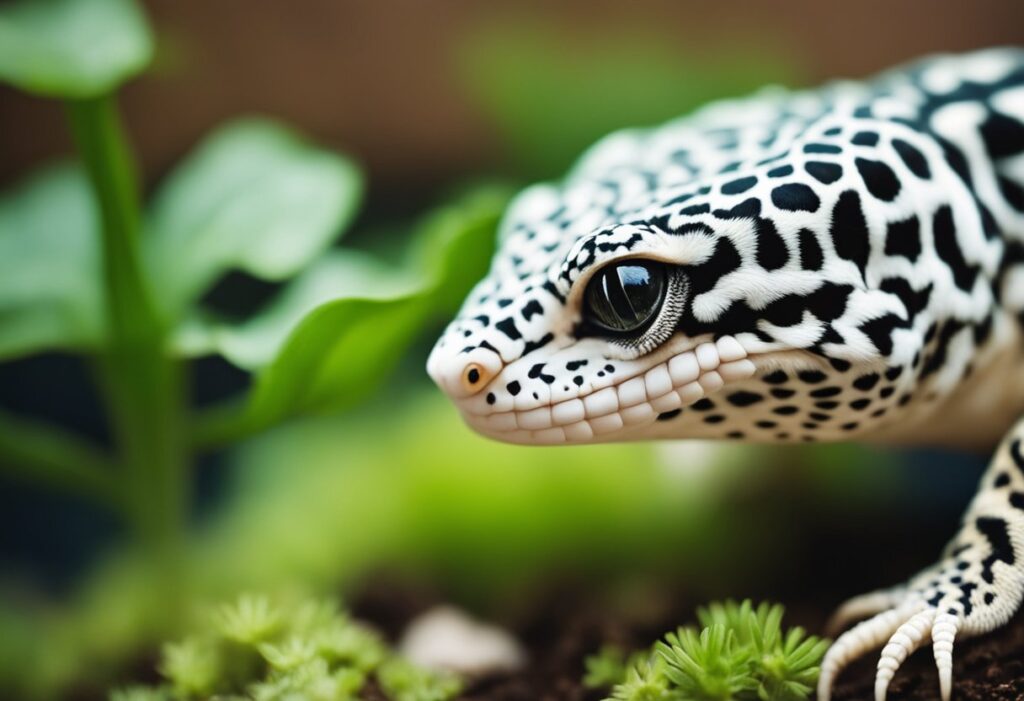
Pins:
<point x="625" y="296"/>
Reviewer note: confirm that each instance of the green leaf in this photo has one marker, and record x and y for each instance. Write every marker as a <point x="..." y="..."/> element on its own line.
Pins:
<point x="334" y="333"/>
<point x="253" y="196"/>
<point x="72" y="48"/>
<point x="49" y="264"/>
<point x="339" y="275"/>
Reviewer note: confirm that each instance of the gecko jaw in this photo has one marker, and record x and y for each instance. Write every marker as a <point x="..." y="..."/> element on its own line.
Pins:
<point x="633" y="402"/>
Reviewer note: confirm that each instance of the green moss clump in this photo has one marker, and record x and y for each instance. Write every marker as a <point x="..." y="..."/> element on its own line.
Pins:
<point x="259" y="650"/>
<point x="740" y="654"/>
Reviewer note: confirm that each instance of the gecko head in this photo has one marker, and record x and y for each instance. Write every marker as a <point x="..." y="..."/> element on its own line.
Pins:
<point x="714" y="323"/>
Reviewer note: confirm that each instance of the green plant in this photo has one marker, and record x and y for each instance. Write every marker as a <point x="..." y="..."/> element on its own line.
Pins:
<point x="740" y="654"/>
<point x="266" y="650"/>
<point x="85" y="268"/>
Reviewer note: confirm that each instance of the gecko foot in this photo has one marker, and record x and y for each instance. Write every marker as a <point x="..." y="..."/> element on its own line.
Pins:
<point x="975" y="589"/>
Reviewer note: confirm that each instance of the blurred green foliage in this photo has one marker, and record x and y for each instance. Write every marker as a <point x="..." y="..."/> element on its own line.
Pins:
<point x="551" y="93"/>
<point x="72" y="48"/>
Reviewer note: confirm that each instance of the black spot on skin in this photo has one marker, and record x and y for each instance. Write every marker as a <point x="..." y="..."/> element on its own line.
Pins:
<point x="781" y="392"/>
<point x="833" y="131"/>
<point x="1002" y="479"/>
<point x="879" y="179"/>
<point x="880" y="331"/>
<point x="502" y="303"/>
<point x="827" y="404"/>
<point x="840" y="365"/>
<point x="865" y="138"/>
<point x="795" y="197"/>
<point x="912" y="158"/>
<point x="995" y="531"/>
<point x="714" y="419"/>
<point x="828" y="302"/>
<point x="956" y="160"/>
<point x="867" y="382"/>
<point x="531" y="346"/>
<point x="782" y="436"/>
<point x="742" y="399"/>
<point x="776" y="378"/>
<point x="860" y="404"/>
<point x="887" y="392"/>
<point x="821" y="148"/>
<point x="826" y="392"/>
<point x="574" y="365"/>
<point x="849" y="230"/>
<point x="809" y="425"/>
<point x="513" y="387"/>
<point x="665" y="416"/>
<point x="1003" y="136"/>
<point x="702" y="405"/>
<point x="724" y="260"/>
<point x="491" y="398"/>
<point x="765" y="424"/>
<point x="787" y="310"/>
<point x="1012" y="193"/>
<point x="577" y="380"/>
<point x="695" y="209"/>
<point x="531" y="309"/>
<point x="914" y="301"/>
<point x="747" y="209"/>
<point x="734" y="434"/>
<point x="738" y="186"/>
<point x="508" y="327"/>
<point x="787" y="410"/>
<point x="772" y="253"/>
<point x="948" y="248"/>
<point x="903" y="238"/>
<point x="811" y="377"/>
<point x="600" y="373"/>
<point x="892" y="373"/>
<point x="536" y="396"/>
<point x="852" y="426"/>
<point x="538" y="371"/>
<point x="989" y="598"/>
<point x="811" y="256"/>
<point x="825" y="173"/>
<point x="818" y="416"/>
<point x="1017" y="455"/>
<point x="1017" y="500"/>
<point x="937" y="359"/>
<point x="780" y="172"/>
<point x="609" y="368"/>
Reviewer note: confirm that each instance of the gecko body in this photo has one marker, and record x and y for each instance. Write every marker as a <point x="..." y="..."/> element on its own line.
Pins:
<point x="838" y="264"/>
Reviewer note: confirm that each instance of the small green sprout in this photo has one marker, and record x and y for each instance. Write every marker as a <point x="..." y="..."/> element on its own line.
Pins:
<point x="740" y="654"/>
<point x="259" y="650"/>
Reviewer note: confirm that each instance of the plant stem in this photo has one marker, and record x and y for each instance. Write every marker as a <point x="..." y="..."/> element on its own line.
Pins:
<point x="142" y="383"/>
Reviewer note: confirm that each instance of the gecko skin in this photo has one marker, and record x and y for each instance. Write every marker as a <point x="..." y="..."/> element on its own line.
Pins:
<point x="841" y="264"/>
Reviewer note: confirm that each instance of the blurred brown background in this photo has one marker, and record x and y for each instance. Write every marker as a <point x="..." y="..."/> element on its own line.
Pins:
<point x="376" y="77"/>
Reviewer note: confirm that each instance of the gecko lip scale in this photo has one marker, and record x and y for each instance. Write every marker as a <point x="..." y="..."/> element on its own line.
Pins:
<point x="633" y="401"/>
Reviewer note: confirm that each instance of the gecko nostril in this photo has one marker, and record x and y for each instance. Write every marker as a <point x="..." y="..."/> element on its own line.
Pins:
<point x="474" y="377"/>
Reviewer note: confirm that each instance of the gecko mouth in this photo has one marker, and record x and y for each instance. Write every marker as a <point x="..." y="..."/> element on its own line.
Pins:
<point x="633" y="402"/>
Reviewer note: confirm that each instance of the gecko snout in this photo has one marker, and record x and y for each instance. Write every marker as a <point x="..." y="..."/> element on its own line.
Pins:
<point x="463" y="374"/>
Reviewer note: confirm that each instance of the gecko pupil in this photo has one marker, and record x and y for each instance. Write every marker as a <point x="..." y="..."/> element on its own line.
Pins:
<point x="623" y="297"/>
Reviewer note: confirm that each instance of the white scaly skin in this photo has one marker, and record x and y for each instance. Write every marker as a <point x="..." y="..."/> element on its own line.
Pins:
<point x="845" y="264"/>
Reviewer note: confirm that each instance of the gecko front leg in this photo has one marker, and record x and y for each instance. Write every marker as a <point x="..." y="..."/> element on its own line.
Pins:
<point x="975" y="588"/>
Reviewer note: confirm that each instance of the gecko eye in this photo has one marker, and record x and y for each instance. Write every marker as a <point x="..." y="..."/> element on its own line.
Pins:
<point x="625" y="296"/>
